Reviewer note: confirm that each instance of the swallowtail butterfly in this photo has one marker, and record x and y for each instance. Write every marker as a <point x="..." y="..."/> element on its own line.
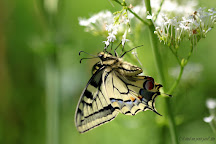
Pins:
<point x="115" y="87"/>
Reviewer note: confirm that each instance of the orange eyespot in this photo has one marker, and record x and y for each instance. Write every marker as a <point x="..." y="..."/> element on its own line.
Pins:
<point x="132" y="98"/>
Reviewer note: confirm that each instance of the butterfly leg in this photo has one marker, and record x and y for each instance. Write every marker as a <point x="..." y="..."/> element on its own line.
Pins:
<point x="116" y="49"/>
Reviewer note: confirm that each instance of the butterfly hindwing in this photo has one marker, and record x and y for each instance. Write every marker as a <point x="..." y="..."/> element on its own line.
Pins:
<point x="94" y="107"/>
<point x="128" y="94"/>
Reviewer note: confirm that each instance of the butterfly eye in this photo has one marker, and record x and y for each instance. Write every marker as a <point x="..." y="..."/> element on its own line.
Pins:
<point x="100" y="55"/>
<point x="148" y="85"/>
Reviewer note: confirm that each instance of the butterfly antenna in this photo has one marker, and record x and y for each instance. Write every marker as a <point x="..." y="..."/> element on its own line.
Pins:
<point x="86" y="58"/>
<point x="129" y="51"/>
<point x="87" y="53"/>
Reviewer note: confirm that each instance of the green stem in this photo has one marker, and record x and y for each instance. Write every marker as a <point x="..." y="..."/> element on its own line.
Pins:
<point x="177" y="81"/>
<point x="190" y="53"/>
<point x="52" y="76"/>
<point x="212" y="127"/>
<point x="142" y="20"/>
<point x="52" y="101"/>
<point x="154" y="44"/>
<point x="157" y="13"/>
<point x="158" y="60"/>
<point x="156" y="53"/>
<point x="182" y="65"/>
<point x="171" y="120"/>
<point x="175" y="54"/>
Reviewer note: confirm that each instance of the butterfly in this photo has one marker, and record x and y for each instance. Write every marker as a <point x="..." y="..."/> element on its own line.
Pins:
<point x="115" y="87"/>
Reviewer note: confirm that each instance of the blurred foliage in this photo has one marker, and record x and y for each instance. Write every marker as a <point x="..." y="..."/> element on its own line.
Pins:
<point x="37" y="46"/>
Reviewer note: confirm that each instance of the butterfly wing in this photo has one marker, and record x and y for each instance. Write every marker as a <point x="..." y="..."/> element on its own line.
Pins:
<point x="131" y="94"/>
<point x="94" y="107"/>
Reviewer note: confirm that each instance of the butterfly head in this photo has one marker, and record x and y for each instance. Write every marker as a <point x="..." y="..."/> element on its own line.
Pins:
<point x="101" y="55"/>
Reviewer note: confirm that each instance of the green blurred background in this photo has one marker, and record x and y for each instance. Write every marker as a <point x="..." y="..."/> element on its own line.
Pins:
<point x="41" y="79"/>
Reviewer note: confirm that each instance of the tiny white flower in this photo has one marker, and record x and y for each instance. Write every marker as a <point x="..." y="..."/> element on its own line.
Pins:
<point x="83" y="22"/>
<point x="106" y="43"/>
<point x="208" y="30"/>
<point x="208" y="119"/>
<point x="111" y="37"/>
<point x="115" y="29"/>
<point x="149" y="16"/>
<point x="124" y="40"/>
<point x="129" y="30"/>
<point x="109" y="27"/>
<point x="211" y="103"/>
<point x="127" y="21"/>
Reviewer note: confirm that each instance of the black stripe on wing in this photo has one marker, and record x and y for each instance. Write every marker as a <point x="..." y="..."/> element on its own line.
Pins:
<point x="96" y="67"/>
<point x="87" y="96"/>
<point x="127" y="97"/>
<point x="94" y="107"/>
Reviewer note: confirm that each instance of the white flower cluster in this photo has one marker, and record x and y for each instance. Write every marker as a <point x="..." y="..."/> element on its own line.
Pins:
<point x="122" y="24"/>
<point x="169" y="8"/>
<point x="104" y="22"/>
<point x="97" y="23"/>
<point x="193" y="27"/>
<point x="211" y="105"/>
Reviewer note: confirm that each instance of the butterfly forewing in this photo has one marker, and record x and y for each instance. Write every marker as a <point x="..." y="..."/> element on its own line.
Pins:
<point x="94" y="107"/>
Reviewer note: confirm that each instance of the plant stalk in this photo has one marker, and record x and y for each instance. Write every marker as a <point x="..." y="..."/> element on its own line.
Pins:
<point x="159" y="65"/>
<point x="177" y="81"/>
<point x="157" y="13"/>
<point x="52" y="101"/>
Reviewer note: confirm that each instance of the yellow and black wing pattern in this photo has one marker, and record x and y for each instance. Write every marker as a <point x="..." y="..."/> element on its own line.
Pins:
<point x="94" y="107"/>
<point x="115" y="87"/>
<point x="131" y="95"/>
